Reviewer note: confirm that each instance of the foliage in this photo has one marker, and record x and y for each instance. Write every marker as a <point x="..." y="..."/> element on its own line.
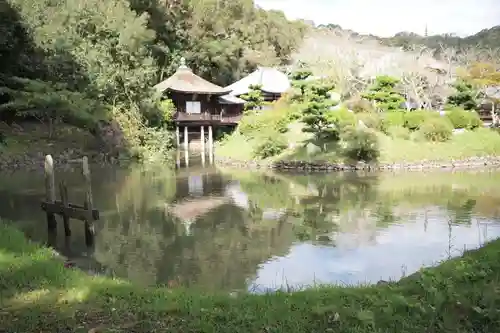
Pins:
<point x="270" y="146"/>
<point x="50" y="103"/>
<point x="342" y="117"/>
<point x="461" y="118"/>
<point x="360" y="144"/>
<point x="392" y="119"/>
<point x="465" y="96"/>
<point x="167" y="109"/>
<point x="436" y="129"/>
<point x="383" y="93"/>
<point x="415" y="119"/>
<point x="317" y="113"/>
<point x="254" y="99"/>
<point x="299" y="83"/>
<point x="482" y="75"/>
<point x="372" y="120"/>
<point x="398" y="132"/>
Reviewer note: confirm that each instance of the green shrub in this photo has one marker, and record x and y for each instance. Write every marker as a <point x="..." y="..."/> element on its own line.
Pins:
<point x="360" y="144"/>
<point x="394" y="118"/>
<point x="436" y="129"/>
<point x="371" y="120"/>
<point x="282" y="125"/>
<point x="343" y="117"/>
<point x="399" y="132"/>
<point x="248" y="124"/>
<point x="414" y="119"/>
<point x="463" y="119"/>
<point x="270" y="146"/>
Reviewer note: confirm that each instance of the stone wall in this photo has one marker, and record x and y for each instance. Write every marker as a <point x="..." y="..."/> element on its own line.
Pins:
<point x="473" y="162"/>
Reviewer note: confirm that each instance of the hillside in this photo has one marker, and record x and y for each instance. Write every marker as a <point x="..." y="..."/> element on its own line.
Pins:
<point x="98" y="73"/>
<point x="486" y="38"/>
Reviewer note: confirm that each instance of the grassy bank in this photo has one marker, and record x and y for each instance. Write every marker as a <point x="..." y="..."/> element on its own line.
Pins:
<point x="32" y="141"/>
<point x="39" y="295"/>
<point x="396" y="144"/>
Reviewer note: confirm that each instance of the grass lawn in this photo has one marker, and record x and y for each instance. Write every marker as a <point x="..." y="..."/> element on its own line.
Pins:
<point x="39" y="295"/>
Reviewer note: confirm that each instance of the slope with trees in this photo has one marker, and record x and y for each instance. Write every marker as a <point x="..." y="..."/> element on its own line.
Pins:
<point x="92" y="64"/>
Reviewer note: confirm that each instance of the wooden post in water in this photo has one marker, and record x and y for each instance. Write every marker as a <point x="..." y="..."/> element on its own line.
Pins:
<point x="210" y="145"/>
<point x="88" y="204"/>
<point x="202" y="138"/>
<point x="63" y="190"/>
<point x="50" y="197"/>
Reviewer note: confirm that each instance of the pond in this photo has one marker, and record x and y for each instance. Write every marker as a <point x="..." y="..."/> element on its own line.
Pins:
<point x="213" y="229"/>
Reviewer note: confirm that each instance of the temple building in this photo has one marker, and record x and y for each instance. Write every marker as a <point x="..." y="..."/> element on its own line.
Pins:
<point x="199" y="105"/>
<point x="273" y="84"/>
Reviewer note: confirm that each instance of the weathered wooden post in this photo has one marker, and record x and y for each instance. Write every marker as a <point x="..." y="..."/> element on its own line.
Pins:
<point x="177" y="136"/>
<point x="63" y="190"/>
<point x="88" y="203"/>
<point x="50" y="197"/>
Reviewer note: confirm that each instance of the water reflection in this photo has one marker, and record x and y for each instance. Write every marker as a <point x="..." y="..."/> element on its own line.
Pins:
<point x="220" y="229"/>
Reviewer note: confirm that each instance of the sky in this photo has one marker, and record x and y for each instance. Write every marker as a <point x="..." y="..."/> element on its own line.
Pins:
<point x="387" y="17"/>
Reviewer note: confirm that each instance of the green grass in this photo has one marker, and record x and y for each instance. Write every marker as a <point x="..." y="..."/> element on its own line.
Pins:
<point x="39" y="295"/>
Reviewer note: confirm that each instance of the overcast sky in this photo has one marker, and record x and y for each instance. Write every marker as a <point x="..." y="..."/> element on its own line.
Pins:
<point x="387" y="17"/>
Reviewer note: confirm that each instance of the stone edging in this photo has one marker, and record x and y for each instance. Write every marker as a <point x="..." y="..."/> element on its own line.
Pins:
<point x="473" y="162"/>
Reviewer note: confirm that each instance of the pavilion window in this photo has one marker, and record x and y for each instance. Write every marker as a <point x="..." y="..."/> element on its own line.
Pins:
<point x="193" y="107"/>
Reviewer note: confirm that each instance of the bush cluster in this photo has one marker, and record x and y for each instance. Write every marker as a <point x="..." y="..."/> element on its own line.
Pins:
<point x="429" y="125"/>
<point x="270" y="146"/>
<point x="360" y="144"/>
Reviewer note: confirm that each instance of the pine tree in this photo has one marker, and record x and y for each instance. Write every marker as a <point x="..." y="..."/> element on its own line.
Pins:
<point x="317" y="114"/>
<point x="384" y="95"/>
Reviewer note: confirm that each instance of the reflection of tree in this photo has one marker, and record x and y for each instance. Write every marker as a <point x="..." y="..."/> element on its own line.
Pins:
<point x="461" y="205"/>
<point x="132" y="236"/>
<point x="336" y="197"/>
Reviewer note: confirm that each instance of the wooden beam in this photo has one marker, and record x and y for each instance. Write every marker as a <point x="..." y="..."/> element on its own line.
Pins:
<point x="72" y="211"/>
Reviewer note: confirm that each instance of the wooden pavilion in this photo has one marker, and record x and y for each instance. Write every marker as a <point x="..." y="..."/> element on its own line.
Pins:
<point x="199" y="103"/>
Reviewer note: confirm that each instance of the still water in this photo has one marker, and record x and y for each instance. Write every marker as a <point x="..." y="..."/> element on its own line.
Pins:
<point x="220" y="229"/>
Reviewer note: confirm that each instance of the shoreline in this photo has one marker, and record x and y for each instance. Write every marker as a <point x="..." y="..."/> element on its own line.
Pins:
<point x="66" y="160"/>
<point x="318" y="166"/>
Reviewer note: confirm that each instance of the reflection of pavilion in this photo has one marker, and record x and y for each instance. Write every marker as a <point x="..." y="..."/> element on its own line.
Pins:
<point x="198" y="193"/>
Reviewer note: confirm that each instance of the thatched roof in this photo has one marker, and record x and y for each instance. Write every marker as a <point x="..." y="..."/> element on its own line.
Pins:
<point x="272" y="81"/>
<point x="184" y="80"/>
